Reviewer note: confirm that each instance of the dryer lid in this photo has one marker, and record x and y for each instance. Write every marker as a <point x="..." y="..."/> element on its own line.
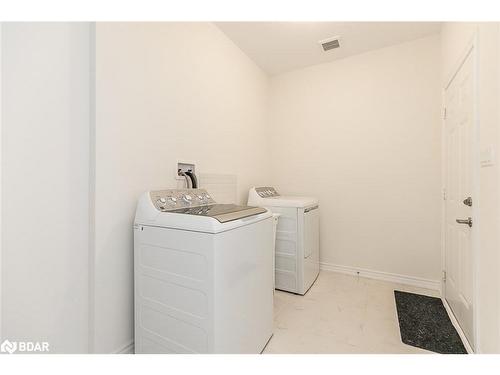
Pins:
<point x="267" y="196"/>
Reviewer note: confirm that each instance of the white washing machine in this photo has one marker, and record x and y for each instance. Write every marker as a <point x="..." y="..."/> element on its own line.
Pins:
<point x="203" y="274"/>
<point x="297" y="238"/>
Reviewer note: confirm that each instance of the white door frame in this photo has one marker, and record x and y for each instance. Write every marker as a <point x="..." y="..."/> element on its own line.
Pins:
<point x="471" y="49"/>
<point x="1" y="181"/>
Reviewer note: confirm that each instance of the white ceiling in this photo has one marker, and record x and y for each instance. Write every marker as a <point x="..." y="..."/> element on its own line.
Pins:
<point x="278" y="47"/>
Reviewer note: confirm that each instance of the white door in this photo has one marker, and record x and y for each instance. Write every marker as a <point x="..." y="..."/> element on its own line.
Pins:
<point x="459" y="138"/>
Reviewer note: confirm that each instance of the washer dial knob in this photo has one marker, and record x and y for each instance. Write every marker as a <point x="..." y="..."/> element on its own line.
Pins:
<point x="161" y="203"/>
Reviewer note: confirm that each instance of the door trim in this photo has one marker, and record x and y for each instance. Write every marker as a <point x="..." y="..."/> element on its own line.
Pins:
<point x="459" y="329"/>
<point x="471" y="49"/>
<point x="1" y="182"/>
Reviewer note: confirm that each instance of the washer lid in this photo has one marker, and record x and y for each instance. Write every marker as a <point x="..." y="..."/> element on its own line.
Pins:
<point x="221" y="212"/>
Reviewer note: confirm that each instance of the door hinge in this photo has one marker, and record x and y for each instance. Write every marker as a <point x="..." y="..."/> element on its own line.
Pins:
<point x="444" y="276"/>
<point x="444" y="113"/>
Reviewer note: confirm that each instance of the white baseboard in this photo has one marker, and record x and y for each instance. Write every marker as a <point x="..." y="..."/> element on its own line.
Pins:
<point x="460" y="332"/>
<point x="384" y="276"/>
<point x="126" y="349"/>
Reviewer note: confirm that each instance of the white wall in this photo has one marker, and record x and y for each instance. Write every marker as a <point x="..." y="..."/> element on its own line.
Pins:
<point x="455" y="38"/>
<point x="165" y="91"/>
<point x="45" y="92"/>
<point x="363" y="135"/>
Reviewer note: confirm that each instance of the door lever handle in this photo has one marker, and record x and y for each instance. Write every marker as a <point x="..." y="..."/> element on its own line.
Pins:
<point x="467" y="221"/>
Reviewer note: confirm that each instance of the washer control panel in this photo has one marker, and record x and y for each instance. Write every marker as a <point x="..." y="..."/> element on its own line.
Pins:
<point x="266" y="192"/>
<point x="166" y="200"/>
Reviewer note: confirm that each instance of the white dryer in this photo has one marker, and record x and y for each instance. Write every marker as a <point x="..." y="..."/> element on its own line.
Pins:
<point x="297" y="237"/>
<point x="203" y="274"/>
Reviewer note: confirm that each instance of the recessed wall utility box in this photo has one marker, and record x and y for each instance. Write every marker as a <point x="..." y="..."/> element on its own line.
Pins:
<point x="184" y="167"/>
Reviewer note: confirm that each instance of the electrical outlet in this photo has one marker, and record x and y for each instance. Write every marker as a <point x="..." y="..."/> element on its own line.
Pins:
<point x="488" y="157"/>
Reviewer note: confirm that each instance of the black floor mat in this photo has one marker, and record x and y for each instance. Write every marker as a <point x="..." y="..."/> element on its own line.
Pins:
<point x="424" y="323"/>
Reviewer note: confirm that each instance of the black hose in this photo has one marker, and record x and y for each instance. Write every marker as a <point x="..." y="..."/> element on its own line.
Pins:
<point x="194" y="181"/>
<point x="181" y="173"/>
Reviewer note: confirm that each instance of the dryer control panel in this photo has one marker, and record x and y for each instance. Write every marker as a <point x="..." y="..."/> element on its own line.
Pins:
<point x="167" y="200"/>
<point x="266" y="192"/>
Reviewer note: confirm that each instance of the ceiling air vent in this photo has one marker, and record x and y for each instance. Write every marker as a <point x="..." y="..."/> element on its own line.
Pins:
<point x="330" y="43"/>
